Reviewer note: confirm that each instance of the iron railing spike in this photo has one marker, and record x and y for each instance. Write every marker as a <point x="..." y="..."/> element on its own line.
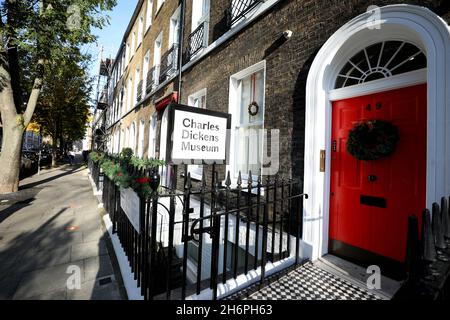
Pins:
<point x="228" y="180"/>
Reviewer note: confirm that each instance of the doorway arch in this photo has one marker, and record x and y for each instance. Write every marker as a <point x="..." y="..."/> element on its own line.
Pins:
<point x="412" y="24"/>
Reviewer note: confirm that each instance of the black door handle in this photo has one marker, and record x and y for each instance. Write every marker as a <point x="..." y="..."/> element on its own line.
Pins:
<point x="372" y="178"/>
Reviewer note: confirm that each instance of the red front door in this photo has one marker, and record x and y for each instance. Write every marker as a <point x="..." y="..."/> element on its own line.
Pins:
<point x="372" y="214"/>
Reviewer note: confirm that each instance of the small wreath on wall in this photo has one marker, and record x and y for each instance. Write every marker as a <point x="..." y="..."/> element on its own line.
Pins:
<point x="253" y="108"/>
<point x="372" y="139"/>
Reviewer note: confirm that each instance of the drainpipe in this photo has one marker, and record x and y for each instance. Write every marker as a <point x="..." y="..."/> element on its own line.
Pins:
<point x="180" y="47"/>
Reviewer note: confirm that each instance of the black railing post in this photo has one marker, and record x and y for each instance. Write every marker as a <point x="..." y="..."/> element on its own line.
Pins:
<point x="237" y="226"/>
<point x="281" y="218"/>
<point x="215" y="235"/>
<point x="172" y="208"/>
<point x="265" y="229"/>
<point x="153" y="246"/>
<point x="274" y="216"/>
<point x="147" y="278"/>
<point x="225" y="236"/>
<point x="257" y="224"/>
<point x="249" y="214"/>
<point x="200" y="240"/>
<point x="185" y="233"/>
<point x="445" y="219"/>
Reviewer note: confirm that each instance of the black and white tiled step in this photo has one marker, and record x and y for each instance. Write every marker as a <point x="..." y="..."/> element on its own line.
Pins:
<point x="308" y="282"/>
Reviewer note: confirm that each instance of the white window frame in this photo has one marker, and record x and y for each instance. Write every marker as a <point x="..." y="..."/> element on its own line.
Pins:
<point x="133" y="136"/>
<point x="159" y="4"/>
<point x="140" y="34"/>
<point x="198" y="18"/>
<point x="137" y="79"/>
<point x="133" y="43"/>
<point x="129" y="94"/>
<point x="174" y="32"/>
<point x="149" y="15"/>
<point x="152" y="130"/>
<point x="146" y="68"/>
<point x="128" y="54"/>
<point x="127" y="138"/>
<point x="157" y="57"/>
<point x="233" y="109"/>
<point x="140" y="151"/>
<point x="196" y="170"/>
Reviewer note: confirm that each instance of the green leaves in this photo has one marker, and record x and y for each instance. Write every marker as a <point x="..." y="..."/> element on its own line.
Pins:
<point x="122" y="170"/>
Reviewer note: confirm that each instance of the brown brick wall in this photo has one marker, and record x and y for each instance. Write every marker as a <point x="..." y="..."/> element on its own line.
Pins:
<point x="287" y="64"/>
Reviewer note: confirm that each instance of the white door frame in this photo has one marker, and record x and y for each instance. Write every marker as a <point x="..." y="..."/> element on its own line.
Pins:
<point x="413" y="24"/>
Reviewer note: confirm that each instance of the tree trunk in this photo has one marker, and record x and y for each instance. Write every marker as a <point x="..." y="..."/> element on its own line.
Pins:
<point x="10" y="159"/>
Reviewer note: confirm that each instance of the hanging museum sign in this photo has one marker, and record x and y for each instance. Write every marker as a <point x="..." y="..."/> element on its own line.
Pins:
<point x="195" y="135"/>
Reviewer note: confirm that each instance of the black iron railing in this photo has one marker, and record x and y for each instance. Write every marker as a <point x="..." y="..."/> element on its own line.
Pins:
<point x="428" y="256"/>
<point x="239" y="8"/>
<point x="196" y="40"/>
<point x="96" y="174"/>
<point x="139" y="91"/>
<point x="169" y="63"/>
<point x="152" y="79"/>
<point x="233" y="230"/>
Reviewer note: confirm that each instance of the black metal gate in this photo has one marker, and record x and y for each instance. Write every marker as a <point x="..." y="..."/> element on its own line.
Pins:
<point x="207" y="234"/>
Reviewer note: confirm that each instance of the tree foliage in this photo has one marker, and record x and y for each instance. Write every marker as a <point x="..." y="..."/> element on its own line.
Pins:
<point x="63" y="108"/>
<point x="36" y="35"/>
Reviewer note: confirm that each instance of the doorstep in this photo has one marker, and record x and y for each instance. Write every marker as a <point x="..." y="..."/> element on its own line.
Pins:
<point x="308" y="282"/>
<point x="357" y="275"/>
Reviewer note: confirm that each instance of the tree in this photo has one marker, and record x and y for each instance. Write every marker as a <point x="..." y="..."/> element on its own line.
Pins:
<point x="33" y="35"/>
<point x="63" y="108"/>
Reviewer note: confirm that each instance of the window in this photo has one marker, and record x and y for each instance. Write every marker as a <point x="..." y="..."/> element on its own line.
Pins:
<point x="133" y="44"/>
<point x="127" y="54"/>
<point x="159" y="4"/>
<point x="148" y="18"/>
<point x="141" y="139"/>
<point x="247" y="88"/>
<point x="197" y="100"/>
<point x="152" y="136"/>
<point x="127" y="138"/>
<point x="122" y="140"/>
<point x="174" y="27"/>
<point x="133" y="138"/>
<point x="157" y="48"/>
<point x="200" y="11"/>
<point x="137" y="79"/>
<point x="145" y="71"/>
<point x="198" y="39"/>
<point x="121" y="102"/>
<point x="123" y="62"/>
<point x="157" y="59"/>
<point x="140" y="30"/>
<point x="129" y="94"/>
<point x="379" y="61"/>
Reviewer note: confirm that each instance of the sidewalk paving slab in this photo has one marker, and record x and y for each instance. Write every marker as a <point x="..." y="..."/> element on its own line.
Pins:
<point x="52" y="224"/>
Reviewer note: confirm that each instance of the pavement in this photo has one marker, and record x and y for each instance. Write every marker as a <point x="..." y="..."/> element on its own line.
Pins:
<point x="53" y="244"/>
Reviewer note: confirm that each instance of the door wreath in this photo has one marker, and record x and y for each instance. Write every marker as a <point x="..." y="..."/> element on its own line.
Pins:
<point x="253" y="108"/>
<point x="372" y="139"/>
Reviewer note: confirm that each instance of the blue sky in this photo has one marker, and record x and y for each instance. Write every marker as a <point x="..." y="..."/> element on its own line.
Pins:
<point x="111" y="35"/>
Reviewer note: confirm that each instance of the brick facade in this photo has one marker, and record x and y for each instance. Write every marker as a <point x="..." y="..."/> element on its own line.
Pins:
<point x="287" y="62"/>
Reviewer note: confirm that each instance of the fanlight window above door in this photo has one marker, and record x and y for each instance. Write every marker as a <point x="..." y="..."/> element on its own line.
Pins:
<point x="381" y="60"/>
